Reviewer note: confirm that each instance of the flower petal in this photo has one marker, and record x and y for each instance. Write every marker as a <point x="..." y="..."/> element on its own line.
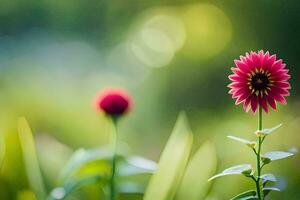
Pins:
<point x="271" y="102"/>
<point x="247" y="104"/>
<point x="234" y="77"/>
<point x="242" y="66"/>
<point x="254" y="103"/>
<point x="263" y="104"/>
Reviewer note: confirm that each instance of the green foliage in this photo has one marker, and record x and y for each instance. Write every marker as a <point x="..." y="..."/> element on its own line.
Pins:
<point x="173" y="161"/>
<point x="248" y="195"/>
<point x="202" y="165"/>
<point x="30" y="159"/>
<point x="86" y="160"/>
<point x="94" y="166"/>
<point x="260" y="180"/>
<point x="237" y="169"/>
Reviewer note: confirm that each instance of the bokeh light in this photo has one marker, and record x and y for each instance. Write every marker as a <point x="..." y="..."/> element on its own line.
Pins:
<point x="208" y="29"/>
<point x="157" y="36"/>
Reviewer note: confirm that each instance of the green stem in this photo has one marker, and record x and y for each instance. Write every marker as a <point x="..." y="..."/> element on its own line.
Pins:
<point x="113" y="161"/>
<point x="258" y="180"/>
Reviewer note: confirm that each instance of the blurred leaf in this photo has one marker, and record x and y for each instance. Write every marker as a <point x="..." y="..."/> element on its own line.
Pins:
<point x="136" y="165"/>
<point x="194" y="184"/>
<point x="268" y="177"/>
<point x="134" y="173"/>
<point x="250" y="144"/>
<point x="267" y="190"/>
<point x="2" y="150"/>
<point x="71" y="185"/>
<point x="251" y="194"/>
<point x="237" y="169"/>
<point x="30" y="159"/>
<point x="277" y="155"/>
<point x="173" y="161"/>
<point x="81" y="158"/>
<point x="26" y="195"/>
<point x="131" y="188"/>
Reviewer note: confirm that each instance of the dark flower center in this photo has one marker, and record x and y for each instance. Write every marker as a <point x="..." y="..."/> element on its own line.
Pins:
<point x="260" y="81"/>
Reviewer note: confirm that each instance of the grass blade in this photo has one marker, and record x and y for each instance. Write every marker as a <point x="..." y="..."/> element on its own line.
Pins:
<point x="30" y="159"/>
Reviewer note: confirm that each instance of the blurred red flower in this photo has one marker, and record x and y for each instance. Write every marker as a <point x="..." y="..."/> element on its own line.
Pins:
<point x="114" y="102"/>
<point x="259" y="80"/>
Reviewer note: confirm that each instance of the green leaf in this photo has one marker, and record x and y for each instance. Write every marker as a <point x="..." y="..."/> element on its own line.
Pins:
<point x="165" y="181"/>
<point x="267" y="190"/>
<point x="277" y="155"/>
<point x="268" y="177"/>
<point x="265" y="132"/>
<point x="200" y="171"/>
<point x="250" y="144"/>
<point x="237" y="169"/>
<point x="70" y="186"/>
<point x="82" y="158"/>
<point x="251" y="194"/>
<point x="269" y="130"/>
<point x="30" y="159"/>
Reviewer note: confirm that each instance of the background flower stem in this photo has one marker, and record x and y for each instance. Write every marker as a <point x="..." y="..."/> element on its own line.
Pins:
<point x="114" y="160"/>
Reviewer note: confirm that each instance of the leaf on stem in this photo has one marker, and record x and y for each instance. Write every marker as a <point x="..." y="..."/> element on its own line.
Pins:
<point x="277" y="155"/>
<point x="249" y="143"/>
<point x="251" y="194"/>
<point x="245" y="169"/>
<point x="267" y="190"/>
<point x="267" y="131"/>
<point x="165" y="182"/>
<point x="268" y="177"/>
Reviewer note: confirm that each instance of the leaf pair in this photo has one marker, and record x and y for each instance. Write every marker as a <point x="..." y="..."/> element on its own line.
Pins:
<point x="252" y="144"/>
<point x="177" y="177"/>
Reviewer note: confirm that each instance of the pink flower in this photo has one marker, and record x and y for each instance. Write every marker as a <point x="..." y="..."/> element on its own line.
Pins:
<point x="259" y="80"/>
<point x="114" y="102"/>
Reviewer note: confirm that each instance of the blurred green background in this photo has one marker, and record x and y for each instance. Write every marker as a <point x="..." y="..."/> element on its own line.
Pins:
<point x="170" y="55"/>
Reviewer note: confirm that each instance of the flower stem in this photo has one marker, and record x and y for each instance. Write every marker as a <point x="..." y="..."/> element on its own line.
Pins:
<point x="113" y="160"/>
<point x="258" y="180"/>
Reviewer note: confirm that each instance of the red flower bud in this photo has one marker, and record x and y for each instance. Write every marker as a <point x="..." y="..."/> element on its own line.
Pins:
<point x="114" y="102"/>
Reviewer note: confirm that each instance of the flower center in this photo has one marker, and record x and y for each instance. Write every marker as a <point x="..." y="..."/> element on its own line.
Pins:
<point x="259" y="82"/>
